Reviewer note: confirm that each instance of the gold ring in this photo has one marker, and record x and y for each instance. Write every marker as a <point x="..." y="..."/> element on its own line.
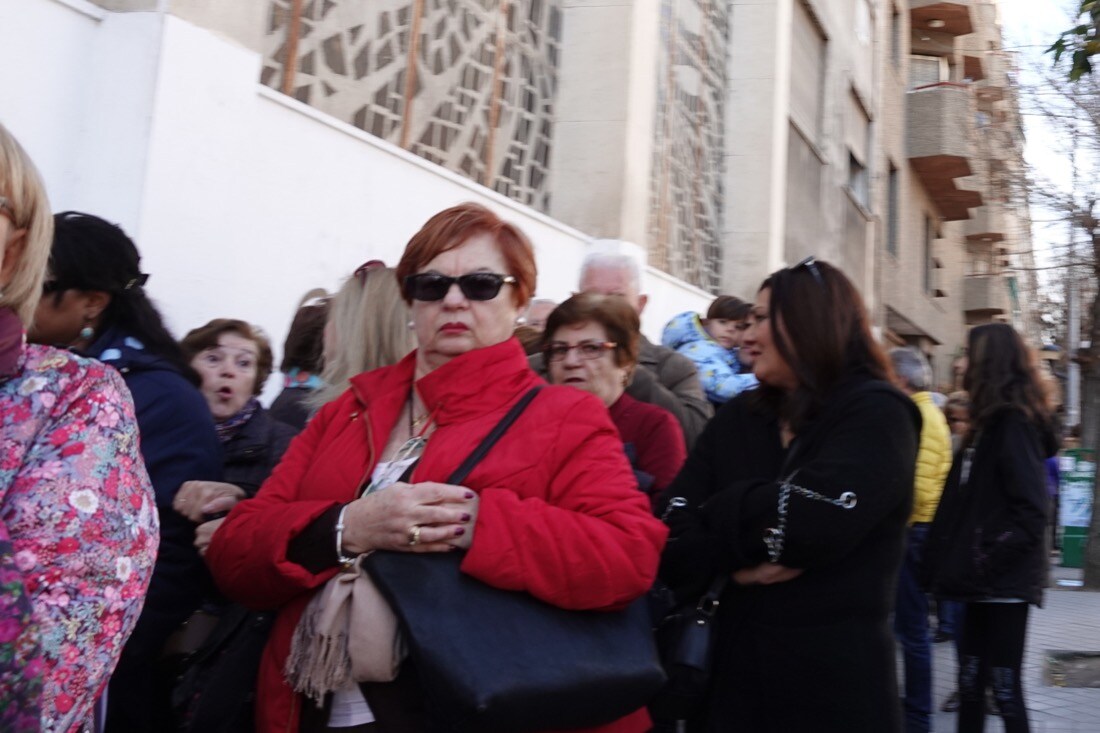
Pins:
<point x="414" y="535"/>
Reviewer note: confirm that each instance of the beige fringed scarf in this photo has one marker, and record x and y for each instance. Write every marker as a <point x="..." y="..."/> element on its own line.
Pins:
<point x="348" y="632"/>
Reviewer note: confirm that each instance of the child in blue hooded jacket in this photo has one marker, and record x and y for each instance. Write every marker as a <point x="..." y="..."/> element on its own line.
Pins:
<point x="713" y="344"/>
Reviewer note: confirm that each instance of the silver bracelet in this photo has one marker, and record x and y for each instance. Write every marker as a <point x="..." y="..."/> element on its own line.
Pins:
<point x="344" y="559"/>
<point x="775" y="537"/>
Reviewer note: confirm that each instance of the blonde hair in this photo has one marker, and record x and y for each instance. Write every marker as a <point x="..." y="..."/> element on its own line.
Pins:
<point x="368" y="323"/>
<point x="22" y="185"/>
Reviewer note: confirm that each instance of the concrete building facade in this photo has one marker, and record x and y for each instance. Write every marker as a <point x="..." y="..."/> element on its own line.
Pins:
<point x="883" y="136"/>
<point x="727" y="137"/>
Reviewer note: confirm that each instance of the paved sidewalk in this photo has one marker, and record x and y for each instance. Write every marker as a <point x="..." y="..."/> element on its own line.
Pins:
<point x="1068" y="621"/>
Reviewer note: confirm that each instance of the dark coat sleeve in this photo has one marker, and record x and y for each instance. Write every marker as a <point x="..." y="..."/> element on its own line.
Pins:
<point x="739" y="442"/>
<point x="1023" y="483"/>
<point x="674" y="386"/>
<point x="869" y="449"/>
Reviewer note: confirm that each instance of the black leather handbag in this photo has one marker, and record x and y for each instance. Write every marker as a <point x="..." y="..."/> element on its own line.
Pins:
<point x="685" y="640"/>
<point x="492" y="660"/>
<point x="215" y="687"/>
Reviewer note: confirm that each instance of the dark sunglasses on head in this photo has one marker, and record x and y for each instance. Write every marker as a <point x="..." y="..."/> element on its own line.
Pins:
<point x="810" y="263"/>
<point x="364" y="269"/>
<point x="474" y="285"/>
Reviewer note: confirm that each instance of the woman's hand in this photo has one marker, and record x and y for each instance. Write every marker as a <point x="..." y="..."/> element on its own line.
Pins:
<point x="765" y="573"/>
<point x="204" y="533"/>
<point x="786" y="435"/>
<point x="422" y="517"/>
<point x="198" y="498"/>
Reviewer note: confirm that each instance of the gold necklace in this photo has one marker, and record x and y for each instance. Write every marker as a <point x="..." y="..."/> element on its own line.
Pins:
<point x="415" y="423"/>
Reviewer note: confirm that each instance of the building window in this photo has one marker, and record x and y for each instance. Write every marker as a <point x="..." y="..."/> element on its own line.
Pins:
<point x="857" y="135"/>
<point x="892" y="213"/>
<point x="857" y="179"/>
<point x="808" y="72"/>
<point x="895" y="37"/>
<point x="925" y="70"/>
<point x="929" y="265"/>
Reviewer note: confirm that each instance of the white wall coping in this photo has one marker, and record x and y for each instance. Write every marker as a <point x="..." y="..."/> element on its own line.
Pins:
<point x="682" y="284"/>
<point x="476" y="188"/>
<point x="84" y="7"/>
<point x="414" y="159"/>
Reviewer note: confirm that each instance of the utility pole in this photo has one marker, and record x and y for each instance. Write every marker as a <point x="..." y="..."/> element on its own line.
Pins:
<point x="1073" y="335"/>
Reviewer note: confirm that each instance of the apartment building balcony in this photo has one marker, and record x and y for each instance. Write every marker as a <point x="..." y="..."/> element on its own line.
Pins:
<point x="940" y="127"/>
<point x="988" y="93"/>
<point x="953" y="18"/>
<point x="984" y="297"/>
<point x="973" y="68"/>
<point x="986" y="224"/>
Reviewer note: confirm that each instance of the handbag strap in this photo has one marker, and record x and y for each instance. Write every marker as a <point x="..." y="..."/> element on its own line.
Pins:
<point x="474" y="458"/>
<point x="708" y="602"/>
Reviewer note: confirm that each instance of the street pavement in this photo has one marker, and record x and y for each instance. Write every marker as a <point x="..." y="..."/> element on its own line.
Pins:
<point x="1068" y="621"/>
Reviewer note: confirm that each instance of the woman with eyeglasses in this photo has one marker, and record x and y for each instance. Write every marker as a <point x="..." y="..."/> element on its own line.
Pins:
<point x="552" y="510"/>
<point x="714" y="344"/>
<point x="987" y="544"/>
<point x="797" y="495"/>
<point x="78" y="526"/>
<point x="95" y="304"/>
<point x="591" y="343"/>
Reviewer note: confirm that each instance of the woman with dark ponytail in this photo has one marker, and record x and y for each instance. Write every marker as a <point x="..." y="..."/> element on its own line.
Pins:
<point x="987" y="544"/>
<point x="94" y="303"/>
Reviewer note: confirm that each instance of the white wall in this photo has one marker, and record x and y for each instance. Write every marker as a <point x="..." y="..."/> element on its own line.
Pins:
<point x="240" y="199"/>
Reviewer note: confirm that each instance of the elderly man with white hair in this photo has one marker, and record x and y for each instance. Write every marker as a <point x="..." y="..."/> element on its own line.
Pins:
<point x="662" y="377"/>
<point x="913" y="375"/>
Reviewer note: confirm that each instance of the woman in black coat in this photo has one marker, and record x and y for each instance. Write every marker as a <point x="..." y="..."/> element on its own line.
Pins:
<point x="987" y="542"/>
<point x="799" y="492"/>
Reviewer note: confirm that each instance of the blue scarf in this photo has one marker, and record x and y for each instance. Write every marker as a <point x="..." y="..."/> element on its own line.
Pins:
<point x="228" y="428"/>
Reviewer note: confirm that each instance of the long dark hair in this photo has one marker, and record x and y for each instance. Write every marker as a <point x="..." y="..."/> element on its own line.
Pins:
<point x="90" y="253"/>
<point x="1000" y="373"/>
<point x="819" y="325"/>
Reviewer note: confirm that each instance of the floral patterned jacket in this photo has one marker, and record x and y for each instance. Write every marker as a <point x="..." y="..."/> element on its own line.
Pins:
<point x="77" y="505"/>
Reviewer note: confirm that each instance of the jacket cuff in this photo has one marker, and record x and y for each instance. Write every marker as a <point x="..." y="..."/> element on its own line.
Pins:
<point x="314" y="548"/>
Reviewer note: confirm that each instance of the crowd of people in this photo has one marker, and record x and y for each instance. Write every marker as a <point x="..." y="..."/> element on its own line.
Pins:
<point x="174" y="556"/>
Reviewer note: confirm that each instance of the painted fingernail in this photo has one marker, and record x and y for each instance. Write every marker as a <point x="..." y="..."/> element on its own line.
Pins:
<point x="465" y="517"/>
<point x="469" y="495"/>
<point x="460" y="531"/>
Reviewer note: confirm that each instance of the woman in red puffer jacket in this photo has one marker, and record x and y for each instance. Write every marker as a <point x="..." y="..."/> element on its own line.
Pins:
<point x="552" y="510"/>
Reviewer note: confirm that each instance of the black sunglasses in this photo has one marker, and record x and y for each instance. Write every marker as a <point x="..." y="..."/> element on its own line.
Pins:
<point x="430" y="286"/>
<point x="810" y="263"/>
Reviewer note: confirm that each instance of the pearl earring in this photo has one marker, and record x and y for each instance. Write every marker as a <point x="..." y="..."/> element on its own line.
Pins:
<point x="411" y="324"/>
<point x="86" y="333"/>
<point x="521" y="321"/>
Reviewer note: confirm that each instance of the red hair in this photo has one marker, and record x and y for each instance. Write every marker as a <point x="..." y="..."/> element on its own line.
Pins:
<point x="453" y="227"/>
